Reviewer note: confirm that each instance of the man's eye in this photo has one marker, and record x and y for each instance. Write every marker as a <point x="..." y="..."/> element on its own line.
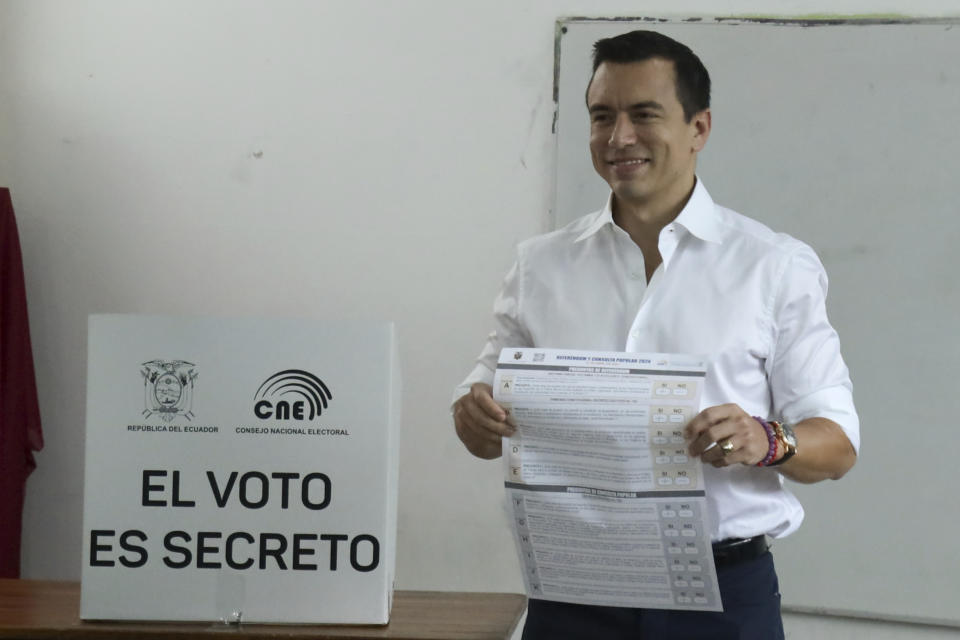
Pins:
<point x="600" y="118"/>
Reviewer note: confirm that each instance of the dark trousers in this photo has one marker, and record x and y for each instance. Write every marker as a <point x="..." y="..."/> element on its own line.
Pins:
<point x="751" y="611"/>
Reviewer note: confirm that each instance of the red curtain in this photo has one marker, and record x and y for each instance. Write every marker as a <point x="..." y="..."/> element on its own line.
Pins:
<point x="20" y="433"/>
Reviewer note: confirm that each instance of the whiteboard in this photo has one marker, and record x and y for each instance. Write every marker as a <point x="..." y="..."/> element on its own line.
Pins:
<point x="844" y="134"/>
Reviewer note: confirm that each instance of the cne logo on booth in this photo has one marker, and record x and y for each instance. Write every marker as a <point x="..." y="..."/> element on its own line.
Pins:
<point x="293" y="394"/>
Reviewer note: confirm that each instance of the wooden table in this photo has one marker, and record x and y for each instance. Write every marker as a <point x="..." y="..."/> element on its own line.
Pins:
<point x="45" y="609"/>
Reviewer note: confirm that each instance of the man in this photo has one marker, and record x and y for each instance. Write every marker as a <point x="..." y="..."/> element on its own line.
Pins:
<point x="661" y="268"/>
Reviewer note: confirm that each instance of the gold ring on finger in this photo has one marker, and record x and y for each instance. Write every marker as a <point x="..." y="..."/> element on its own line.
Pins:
<point x="726" y="446"/>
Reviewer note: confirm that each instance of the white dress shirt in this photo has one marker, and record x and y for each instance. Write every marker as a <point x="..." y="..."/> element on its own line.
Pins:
<point x="750" y="300"/>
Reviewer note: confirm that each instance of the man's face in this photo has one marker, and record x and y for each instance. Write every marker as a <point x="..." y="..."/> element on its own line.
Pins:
<point x="639" y="140"/>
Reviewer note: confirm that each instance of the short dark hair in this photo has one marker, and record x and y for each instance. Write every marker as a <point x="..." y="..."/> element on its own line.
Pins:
<point x="691" y="78"/>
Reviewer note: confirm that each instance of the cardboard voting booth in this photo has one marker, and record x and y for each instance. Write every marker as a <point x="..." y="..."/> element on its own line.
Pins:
<point x="240" y="470"/>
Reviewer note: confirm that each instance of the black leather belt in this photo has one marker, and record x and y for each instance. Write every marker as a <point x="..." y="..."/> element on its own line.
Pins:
<point x="736" y="550"/>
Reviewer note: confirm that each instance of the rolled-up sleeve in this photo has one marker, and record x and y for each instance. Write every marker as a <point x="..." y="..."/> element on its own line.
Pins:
<point x="508" y="332"/>
<point x="807" y="374"/>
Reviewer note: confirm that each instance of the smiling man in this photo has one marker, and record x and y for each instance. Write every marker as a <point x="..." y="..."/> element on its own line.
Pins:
<point x="662" y="268"/>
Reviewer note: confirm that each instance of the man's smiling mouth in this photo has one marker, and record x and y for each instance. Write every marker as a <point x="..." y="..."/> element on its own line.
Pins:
<point x="627" y="162"/>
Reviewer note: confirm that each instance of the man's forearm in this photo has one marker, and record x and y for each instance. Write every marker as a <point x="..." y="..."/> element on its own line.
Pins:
<point x="823" y="452"/>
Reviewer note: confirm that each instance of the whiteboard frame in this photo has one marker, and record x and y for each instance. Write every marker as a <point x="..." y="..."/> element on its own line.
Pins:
<point x="561" y="215"/>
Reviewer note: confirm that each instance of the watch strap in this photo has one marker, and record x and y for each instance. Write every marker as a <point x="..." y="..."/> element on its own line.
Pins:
<point x="787" y="438"/>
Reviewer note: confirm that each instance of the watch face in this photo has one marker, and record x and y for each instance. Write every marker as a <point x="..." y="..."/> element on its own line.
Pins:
<point x="788" y="435"/>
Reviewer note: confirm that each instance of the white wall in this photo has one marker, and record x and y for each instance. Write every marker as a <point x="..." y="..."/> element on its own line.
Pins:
<point x="297" y="158"/>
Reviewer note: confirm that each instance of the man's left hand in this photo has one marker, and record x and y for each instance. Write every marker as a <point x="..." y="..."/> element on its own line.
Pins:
<point x="726" y="425"/>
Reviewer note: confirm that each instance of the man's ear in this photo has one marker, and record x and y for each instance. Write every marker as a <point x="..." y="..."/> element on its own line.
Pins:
<point x="700" y="126"/>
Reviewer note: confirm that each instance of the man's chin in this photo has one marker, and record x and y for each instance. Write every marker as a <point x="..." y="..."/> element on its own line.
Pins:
<point x="631" y="192"/>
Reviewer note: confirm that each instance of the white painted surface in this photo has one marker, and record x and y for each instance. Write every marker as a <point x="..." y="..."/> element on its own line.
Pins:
<point x="296" y="159"/>
<point x="810" y="145"/>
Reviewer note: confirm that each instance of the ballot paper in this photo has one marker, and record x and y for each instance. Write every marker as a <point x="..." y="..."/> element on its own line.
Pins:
<point x="607" y="507"/>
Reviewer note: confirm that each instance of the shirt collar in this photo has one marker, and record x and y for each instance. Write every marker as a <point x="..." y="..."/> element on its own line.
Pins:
<point x="600" y="219"/>
<point x="698" y="216"/>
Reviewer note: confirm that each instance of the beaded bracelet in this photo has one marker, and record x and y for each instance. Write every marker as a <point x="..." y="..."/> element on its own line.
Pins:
<point x="771" y="438"/>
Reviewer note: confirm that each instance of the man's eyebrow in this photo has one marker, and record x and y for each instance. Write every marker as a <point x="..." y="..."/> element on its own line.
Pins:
<point x="598" y="107"/>
<point x="645" y="104"/>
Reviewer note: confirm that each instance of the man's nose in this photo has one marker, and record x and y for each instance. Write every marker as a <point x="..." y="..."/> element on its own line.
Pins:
<point x="623" y="134"/>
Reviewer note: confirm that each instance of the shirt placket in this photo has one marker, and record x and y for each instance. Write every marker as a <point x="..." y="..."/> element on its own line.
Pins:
<point x="667" y="245"/>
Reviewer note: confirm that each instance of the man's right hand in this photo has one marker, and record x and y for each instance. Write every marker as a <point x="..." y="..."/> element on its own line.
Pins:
<point x="481" y="423"/>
